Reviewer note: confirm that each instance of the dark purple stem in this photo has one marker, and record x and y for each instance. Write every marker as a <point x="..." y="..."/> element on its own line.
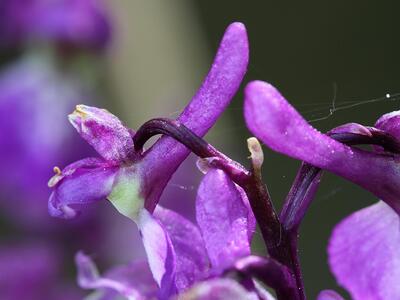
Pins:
<point x="306" y="184"/>
<point x="308" y="177"/>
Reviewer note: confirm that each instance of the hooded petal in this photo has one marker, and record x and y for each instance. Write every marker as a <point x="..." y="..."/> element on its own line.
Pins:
<point x="191" y="261"/>
<point x="216" y="92"/>
<point x="81" y="183"/>
<point x="223" y="218"/>
<point x="103" y="131"/>
<point x="133" y="281"/>
<point x="364" y="253"/>
<point x="272" y="119"/>
<point x="218" y="289"/>
<point x="329" y="295"/>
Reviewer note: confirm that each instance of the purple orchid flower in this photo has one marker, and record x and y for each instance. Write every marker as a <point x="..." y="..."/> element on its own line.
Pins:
<point x="82" y="23"/>
<point x="132" y="181"/>
<point x="363" y="250"/>
<point x="31" y="271"/>
<point x="180" y="254"/>
<point x="192" y="261"/>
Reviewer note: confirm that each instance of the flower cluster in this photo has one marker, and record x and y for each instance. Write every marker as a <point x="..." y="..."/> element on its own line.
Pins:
<point x="212" y="259"/>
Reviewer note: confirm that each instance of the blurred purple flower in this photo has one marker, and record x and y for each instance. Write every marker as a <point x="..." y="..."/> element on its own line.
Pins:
<point x="34" y="97"/>
<point x="81" y="23"/>
<point x="132" y="181"/>
<point x="363" y="251"/>
<point x="31" y="271"/>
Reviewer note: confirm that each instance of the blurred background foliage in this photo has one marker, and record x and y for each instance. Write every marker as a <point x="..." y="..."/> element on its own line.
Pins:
<point x="328" y="58"/>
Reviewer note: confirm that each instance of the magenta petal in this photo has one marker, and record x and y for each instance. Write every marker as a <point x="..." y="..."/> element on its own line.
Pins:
<point x="160" y="252"/>
<point x="219" y="289"/>
<point x="273" y="120"/>
<point x="223" y="218"/>
<point x="133" y="281"/>
<point x="329" y="295"/>
<point x="352" y="128"/>
<point x="83" y="182"/>
<point x="191" y="261"/>
<point x="104" y="132"/>
<point x="364" y="253"/>
<point x="390" y="123"/>
<point x="221" y="83"/>
<point x="216" y="92"/>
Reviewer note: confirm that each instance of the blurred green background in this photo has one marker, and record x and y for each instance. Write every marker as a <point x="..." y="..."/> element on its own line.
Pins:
<point x="313" y="52"/>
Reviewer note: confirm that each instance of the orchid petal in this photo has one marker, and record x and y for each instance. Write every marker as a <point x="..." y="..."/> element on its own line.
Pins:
<point x="83" y="182"/>
<point x="160" y="252"/>
<point x="329" y="295"/>
<point x="354" y="128"/>
<point x="390" y="123"/>
<point x="133" y="281"/>
<point x="104" y="132"/>
<point x="223" y="218"/>
<point x="218" y="289"/>
<point x="269" y="272"/>
<point x="191" y="259"/>
<point x="273" y="120"/>
<point x="364" y="253"/>
<point x="216" y="92"/>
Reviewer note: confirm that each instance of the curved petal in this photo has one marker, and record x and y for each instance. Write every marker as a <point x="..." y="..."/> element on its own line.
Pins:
<point x="191" y="261"/>
<point x="218" y="289"/>
<point x="269" y="272"/>
<point x="133" y="281"/>
<point x="223" y="218"/>
<point x="216" y="92"/>
<point x="104" y="132"/>
<point x="352" y="128"/>
<point x="364" y="253"/>
<point x="390" y="123"/>
<point x="272" y="119"/>
<point x="83" y="182"/>
<point x="329" y="295"/>
<point x="160" y="253"/>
